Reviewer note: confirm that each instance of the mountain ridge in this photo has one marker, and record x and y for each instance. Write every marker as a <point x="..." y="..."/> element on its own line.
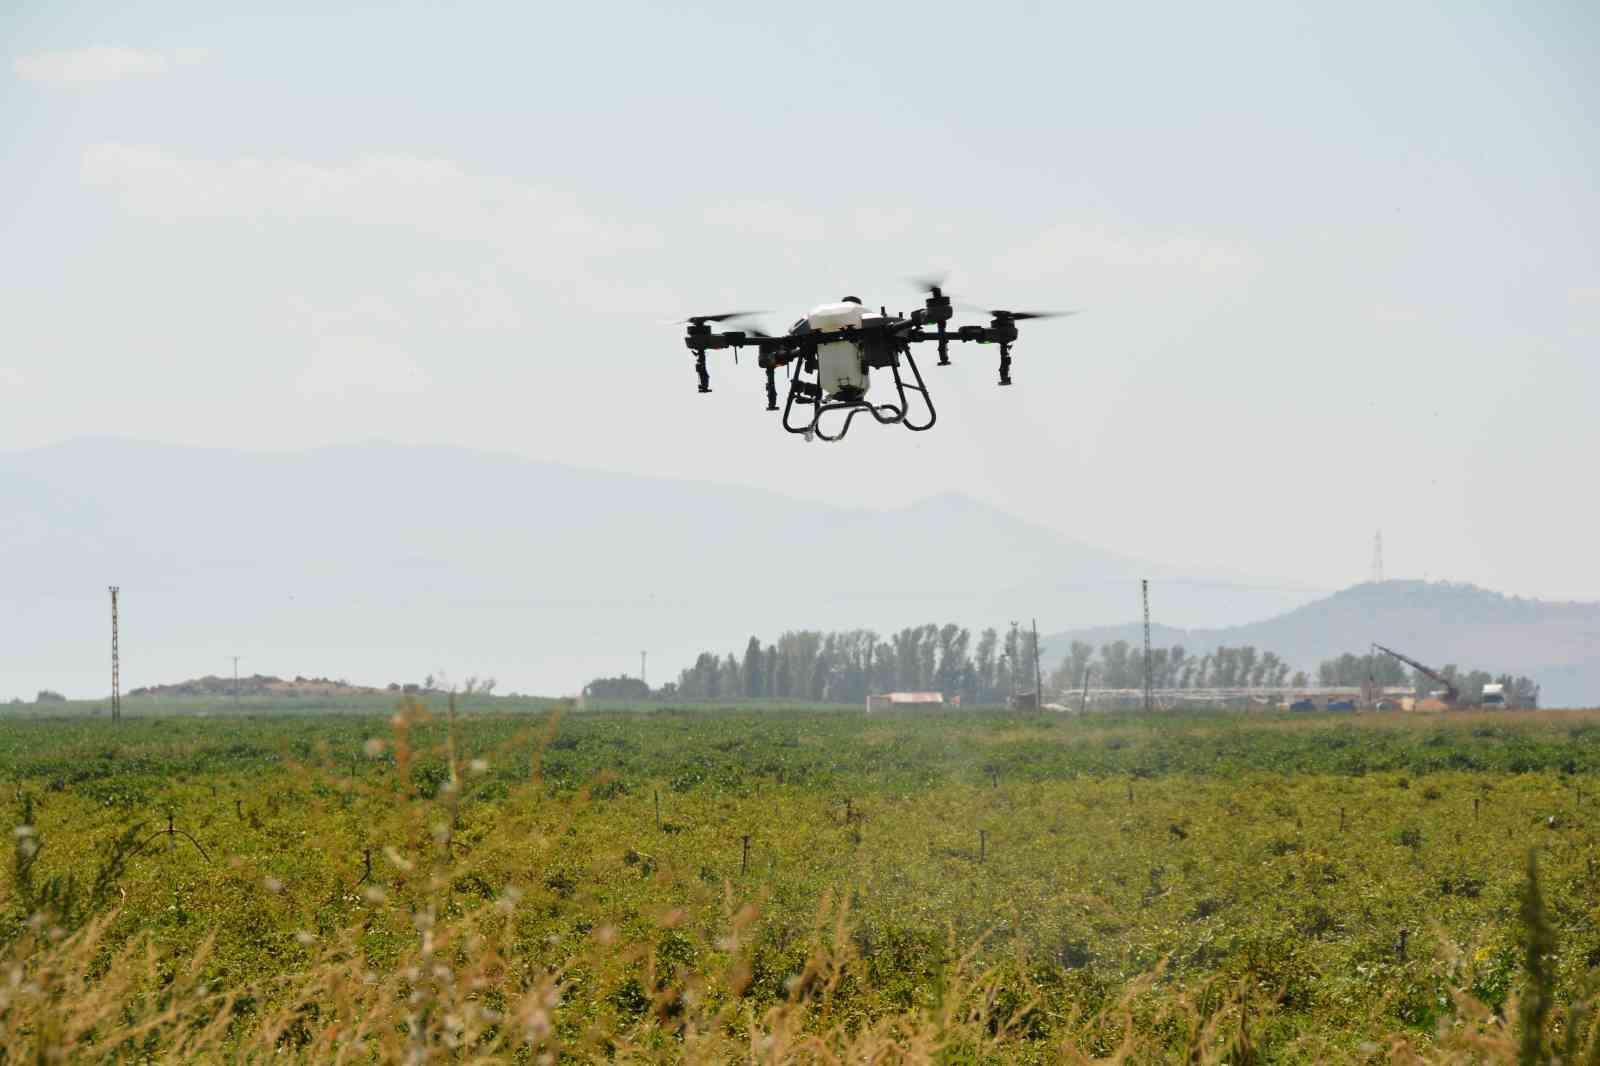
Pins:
<point x="1439" y="623"/>
<point x="389" y="560"/>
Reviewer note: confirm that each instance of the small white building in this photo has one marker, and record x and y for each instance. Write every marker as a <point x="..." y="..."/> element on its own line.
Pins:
<point x="930" y="701"/>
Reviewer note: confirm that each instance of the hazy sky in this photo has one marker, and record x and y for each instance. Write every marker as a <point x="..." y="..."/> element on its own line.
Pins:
<point x="1338" y="261"/>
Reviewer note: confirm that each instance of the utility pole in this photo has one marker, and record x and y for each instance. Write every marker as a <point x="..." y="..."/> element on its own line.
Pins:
<point x="235" y="659"/>
<point x="1149" y="691"/>
<point x="642" y="676"/>
<point x="1376" y="575"/>
<point x="116" y="663"/>
<point x="1014" y="653"/>
<point x="1038" y="673"/>
<point x="1084" y="706"/>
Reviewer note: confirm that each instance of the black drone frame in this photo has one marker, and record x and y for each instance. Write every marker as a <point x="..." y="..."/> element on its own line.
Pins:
<point x="884" y="343"/>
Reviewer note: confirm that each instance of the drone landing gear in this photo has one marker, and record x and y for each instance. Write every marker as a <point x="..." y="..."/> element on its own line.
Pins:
<point x="921" y="388"/>
<point x="809" y="394"/>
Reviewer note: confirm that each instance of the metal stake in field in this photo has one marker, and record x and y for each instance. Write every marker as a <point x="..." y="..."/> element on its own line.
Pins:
<point x="1149" y="692"/>
<point x="116" y="662"/>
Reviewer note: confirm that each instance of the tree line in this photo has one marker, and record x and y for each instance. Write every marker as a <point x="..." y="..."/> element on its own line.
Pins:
<point x="846" y="666"/>
<point x="1350" y="669"/>
<point x="1121" y="665"/>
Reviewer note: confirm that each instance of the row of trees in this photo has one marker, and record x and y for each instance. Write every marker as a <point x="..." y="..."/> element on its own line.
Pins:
<point x="1121" y="665"/>
<point x="1349" y="669"/>
<point x="845" y="666"/>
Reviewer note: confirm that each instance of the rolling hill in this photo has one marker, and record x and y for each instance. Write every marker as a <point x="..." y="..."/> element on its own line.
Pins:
<point x="382" y="561"/>
<point x="1557" y="644"/>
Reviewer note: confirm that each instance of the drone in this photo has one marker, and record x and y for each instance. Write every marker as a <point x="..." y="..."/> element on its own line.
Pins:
<point x="830" y="355"/>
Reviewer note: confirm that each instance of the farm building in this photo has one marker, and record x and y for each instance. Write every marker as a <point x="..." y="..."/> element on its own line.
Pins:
<point x="930" y="701"/>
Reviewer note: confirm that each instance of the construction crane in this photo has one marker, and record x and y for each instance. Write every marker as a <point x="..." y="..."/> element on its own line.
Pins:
<point x="1452" y="695"/>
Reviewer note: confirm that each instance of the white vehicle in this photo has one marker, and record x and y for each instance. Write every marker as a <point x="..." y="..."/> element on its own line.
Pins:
<point x="1494" y="696"/>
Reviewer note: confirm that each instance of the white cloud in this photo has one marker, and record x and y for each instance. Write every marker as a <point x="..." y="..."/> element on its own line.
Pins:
<point x="1584" y="296"/>
<point x="352" y="368"/>
<point x="761" y="220"/>
<point x="766" y="220"/>
<point x="1392" y="314"/>
<point x="434" y="197"/>
<point x="1106" y="264"/>
<point x="89" y="66"/>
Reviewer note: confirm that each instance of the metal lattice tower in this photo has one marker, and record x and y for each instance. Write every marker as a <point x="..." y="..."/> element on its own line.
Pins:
<point x="116" y="663"/>
<point x="1376" y="574"/>
<point x="1149" y="688"/>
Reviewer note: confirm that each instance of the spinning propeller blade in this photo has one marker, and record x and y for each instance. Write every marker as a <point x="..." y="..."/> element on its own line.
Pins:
<point x="700" y="320"/>
<point x="933" y="283"/>
<point x="1017" y="316"/>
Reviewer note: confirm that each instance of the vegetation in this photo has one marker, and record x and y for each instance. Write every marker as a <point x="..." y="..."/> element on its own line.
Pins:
<point x="844" y="667"/>
<point x="804" y="885"/>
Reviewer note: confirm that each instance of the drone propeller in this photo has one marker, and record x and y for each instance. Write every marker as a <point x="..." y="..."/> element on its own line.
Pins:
<point x="700" y="320"/>
<point x="1017" y="316"/>
<point x="930" y="283"/>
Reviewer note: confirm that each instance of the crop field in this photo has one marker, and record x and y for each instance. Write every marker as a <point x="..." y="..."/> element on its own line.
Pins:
<point x="794" y="884"/>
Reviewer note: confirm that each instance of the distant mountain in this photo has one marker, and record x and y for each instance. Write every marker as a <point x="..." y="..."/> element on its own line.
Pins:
<point x="1557" y="644"/>
<point x="386" y="561"/>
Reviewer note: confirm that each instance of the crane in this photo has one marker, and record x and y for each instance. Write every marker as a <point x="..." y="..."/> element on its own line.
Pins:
<point x="1452" y="695"/>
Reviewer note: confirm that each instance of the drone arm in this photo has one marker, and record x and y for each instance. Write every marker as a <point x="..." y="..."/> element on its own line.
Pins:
<point x="980" y="334"/>
<point x="1001" y="331"/>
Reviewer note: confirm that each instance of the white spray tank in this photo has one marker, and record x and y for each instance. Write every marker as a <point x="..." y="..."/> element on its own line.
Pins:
<point x="839" y="362"/>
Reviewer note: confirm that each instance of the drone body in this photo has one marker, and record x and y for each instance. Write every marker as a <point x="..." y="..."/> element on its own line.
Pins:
<point x="831" y="353"/>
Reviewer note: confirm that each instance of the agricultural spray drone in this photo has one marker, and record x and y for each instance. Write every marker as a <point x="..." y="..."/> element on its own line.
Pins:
<point x="830" y="355"/>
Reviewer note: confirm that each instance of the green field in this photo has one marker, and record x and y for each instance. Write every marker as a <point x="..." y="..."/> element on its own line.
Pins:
<point x="790" y="884"/>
